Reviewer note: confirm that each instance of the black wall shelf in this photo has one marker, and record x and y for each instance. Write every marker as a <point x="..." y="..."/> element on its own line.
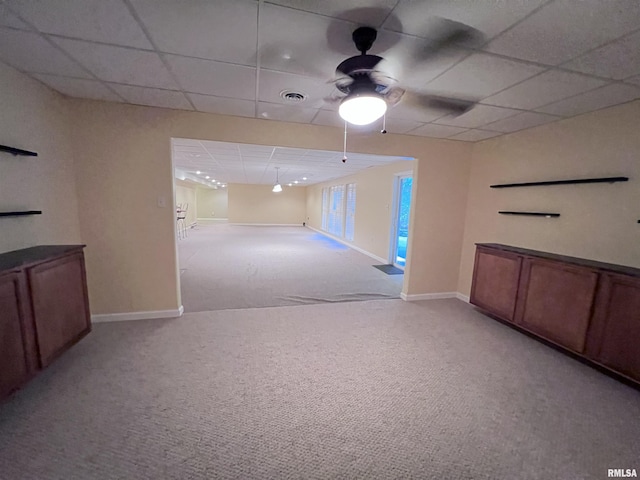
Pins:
<point x="531" y="214"/>
<point x="21" y="214"/>
<point x="563" y="182"/>
<point x="17" y="151"/>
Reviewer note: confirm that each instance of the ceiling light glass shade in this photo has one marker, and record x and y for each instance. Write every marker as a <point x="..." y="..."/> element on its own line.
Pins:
<point x="277" y="188"/>
<point x="362" y="109"/>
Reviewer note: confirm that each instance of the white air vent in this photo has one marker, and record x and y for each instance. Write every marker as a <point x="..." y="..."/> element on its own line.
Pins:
<point x="292" y="96"/>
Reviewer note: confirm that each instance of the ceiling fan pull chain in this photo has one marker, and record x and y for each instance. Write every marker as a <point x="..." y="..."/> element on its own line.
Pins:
<point x="384" y="124"/>
<point x="344" y="149"/>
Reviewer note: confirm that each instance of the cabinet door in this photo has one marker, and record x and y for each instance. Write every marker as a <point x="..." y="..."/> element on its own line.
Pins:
<point x="14" y="364"/>
<point x="614" y="339"/>
<point x="495" y="282"/>
<point x="60" y="306"/>
<point x="557" y="301"/>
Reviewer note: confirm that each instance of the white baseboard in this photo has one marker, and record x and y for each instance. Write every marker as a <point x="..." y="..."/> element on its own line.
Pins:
<point x="462" y="297"/>
<point x="267" y="224"/>
<point x="211" y="220"/>
<point x="427" y="296"/>
<point x="350" y="245"/>
<point x="123" y="317"/>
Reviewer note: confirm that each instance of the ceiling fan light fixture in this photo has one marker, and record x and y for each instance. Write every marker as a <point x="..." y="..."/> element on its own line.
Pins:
<point x="362" y="108"/>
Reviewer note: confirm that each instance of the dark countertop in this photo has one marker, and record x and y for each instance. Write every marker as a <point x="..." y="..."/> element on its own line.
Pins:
<point x="18" y="259"/>
<point x="583" y="262"/>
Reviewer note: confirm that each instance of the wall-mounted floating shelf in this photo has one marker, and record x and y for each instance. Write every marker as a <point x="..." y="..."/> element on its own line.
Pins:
<point x="21" y="214"/>
<point x="531" y="214"/>
<point x="17" y="151"/>
<point x="563" y="182"/>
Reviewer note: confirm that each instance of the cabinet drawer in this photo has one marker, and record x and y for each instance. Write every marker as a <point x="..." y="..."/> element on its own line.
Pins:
<point x="495" y="282"/>
<point x="14" y="361"/>
<point x="60" y="307"/>
<point x="557" y="301"/>
<point x="614" y="339"/>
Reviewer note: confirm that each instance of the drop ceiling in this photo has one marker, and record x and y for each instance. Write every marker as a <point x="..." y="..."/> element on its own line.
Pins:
<point x="224" y="163"/>
<point x="541" y="60"/>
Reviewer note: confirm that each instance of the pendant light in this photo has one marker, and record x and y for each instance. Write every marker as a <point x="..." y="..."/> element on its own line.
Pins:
<point x="277" y="188"/>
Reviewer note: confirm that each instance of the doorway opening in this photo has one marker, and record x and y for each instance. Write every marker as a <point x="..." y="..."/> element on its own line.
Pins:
<point x="400" y="224"/>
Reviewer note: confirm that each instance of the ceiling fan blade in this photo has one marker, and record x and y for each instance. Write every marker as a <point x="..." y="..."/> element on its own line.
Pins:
<point x="452" y="106"/>
<point x="444" y="32"/>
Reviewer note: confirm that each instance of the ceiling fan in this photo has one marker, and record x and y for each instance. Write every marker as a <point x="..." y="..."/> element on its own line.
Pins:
<point x="365" y="91"/>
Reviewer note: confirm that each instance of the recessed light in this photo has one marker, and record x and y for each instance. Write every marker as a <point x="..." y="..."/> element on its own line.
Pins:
<point x="304" y="178"/>
<point x="290" y="184"/>
<point x="218" y="183"/>
<point x="198" y="172"/>
<point x="296" y="181"/>
<point x="207" y="177"/>
<point x="223" y="186"/>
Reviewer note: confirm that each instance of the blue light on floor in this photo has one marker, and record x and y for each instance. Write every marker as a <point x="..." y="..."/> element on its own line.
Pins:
<point x="328" y="242"/>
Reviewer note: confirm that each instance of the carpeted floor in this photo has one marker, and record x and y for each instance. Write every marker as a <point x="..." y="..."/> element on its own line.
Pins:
<point x="377" y="389"/>
<point x="225" y="266"/>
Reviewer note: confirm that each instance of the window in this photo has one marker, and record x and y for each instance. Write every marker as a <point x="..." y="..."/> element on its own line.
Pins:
<point x="325" y="208"/>
<point x="339" y="210"/>
<point x="336" y="210"/>
<point x="351" y="211"/>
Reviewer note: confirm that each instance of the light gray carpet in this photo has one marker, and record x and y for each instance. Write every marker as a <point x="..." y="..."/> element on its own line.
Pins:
<point x="378" y="390"/>
<point x="228" y="266"/>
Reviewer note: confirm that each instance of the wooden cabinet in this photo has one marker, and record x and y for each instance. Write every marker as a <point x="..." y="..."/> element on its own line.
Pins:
<point x="44" y="309"/>
<point x="590" y="308"/>
<point x="497" y="275"/>
<point x="556" y="301"/>
<point x="615" y="337"/>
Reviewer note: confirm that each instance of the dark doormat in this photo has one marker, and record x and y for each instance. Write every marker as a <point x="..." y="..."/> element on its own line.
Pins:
<point x="390" y="269"/>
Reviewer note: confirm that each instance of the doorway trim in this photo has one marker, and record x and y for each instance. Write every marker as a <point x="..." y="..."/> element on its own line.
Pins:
<point x="395" y="215"/>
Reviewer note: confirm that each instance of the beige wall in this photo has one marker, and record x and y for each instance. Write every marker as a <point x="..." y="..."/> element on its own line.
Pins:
<point x="185" y="192"/>
<point x="35" y="118"/>
<point x="212" y="203"/>
<point x="124" y="159"/>
<point x="258" y="204"/>
<point x="374" y="204"/>
<point x="597" y="221"/>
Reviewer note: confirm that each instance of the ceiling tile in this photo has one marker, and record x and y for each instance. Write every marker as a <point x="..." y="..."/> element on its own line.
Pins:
<point x="223" y="106"/>
<point x="363" y="12"/>
<point x="420" y="18"/>
<point x="8" y="19"/>
<point x="79" y="87"/>
<point x="401" y="125"/>
<point x="285" y="113"/>
<point x="272" y="83"/>
<point x="481" y="75"/>
<point x="475" y="135"/>
<point x="594" y="100"/>
<point x="292" y="40"/>
<point x="562" y="29"/>
<point x="153" y="97"/>
<point x="223" y="30"/>
<point x="521" y="121"/>
<point x="478" y="116"/>
<point x="107" y="21"/>
<point x="438" y="131"/>
<point x="620" y="59"/>
<point x="120" y="65"/>
<point x="543" y="89"/>
<point x="214" y="78"/>
<point x="29" y="52"/>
